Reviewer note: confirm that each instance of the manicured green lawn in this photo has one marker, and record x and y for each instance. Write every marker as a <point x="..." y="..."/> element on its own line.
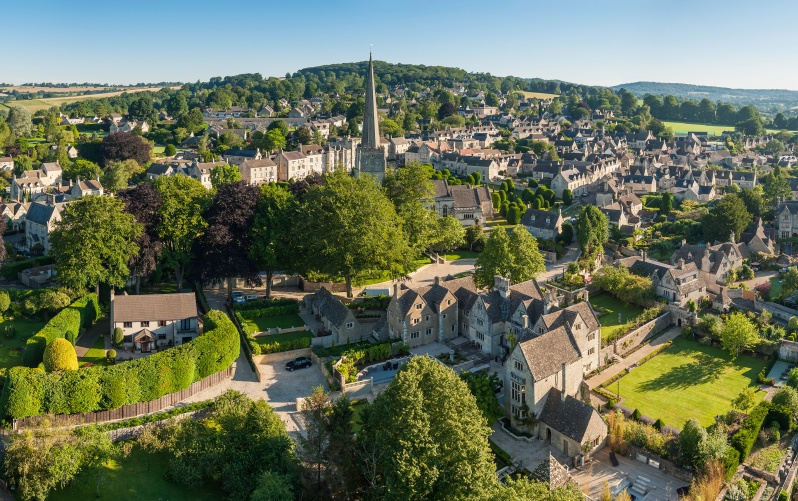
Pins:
<point x="688" y="380"/>
<point x="158" y="150"/>
<point x="386" y="276"/>
<point x="9" y="357"/>
<point x="357" y="411"/>
<point x="282" y="321"/>
<point x="461" y="254"/>
<point x="609" y="322"/>
<point x="132" y="479"/>
<point x="288" y="336"/>
<point x="775" y="287"/>
<point x="96" y="354"/>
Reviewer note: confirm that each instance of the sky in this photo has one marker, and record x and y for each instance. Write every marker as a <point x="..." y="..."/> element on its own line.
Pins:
<point x="733" y="43"/>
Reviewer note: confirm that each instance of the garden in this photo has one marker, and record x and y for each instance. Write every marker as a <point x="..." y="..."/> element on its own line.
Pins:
<point x="688" y="379"/>
<point x="613" y="315"/>
<point x="264" y="314"/>
<point x="15" y="333"/>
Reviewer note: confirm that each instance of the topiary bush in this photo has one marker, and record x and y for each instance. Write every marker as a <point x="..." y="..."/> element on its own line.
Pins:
<point x="636" y="414"/>
<point x="110" y="355"/>
<point x="67" y="322"/>
<point x="5" y="301"/>
<point x="746" y="436"/>
<point x="119" y="336"/>
<point x="60" y="356"/>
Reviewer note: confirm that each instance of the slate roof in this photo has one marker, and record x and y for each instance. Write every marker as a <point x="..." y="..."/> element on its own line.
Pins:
<point x="253" y="164"/>
<point x="574" y="419"/>
<point x="545" y="354"/>
<point x="542" y="219"/>
<point x="552" y="473"/>
<point x="330" y="307"/>
<point x="40" y="213"/>
<point x="646" y="268"/>
<point x="177" y="306"/>
<point x="241" y="153"/>
<point x="568" y="316"/>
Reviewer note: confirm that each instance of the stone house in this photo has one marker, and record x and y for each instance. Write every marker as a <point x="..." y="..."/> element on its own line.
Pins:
<point x="714" y="262"/>
<point x="292" y="165"/>
<point x="237" y="157"/>
<point x="40" y="221"/>
<point x="336" y="318"/>
<point x="6" y="163"/>
<point x="201" y="171"/>
<point x="678" y="284"/>
<point x="424" y="315"/>
<point x="469" y="205"/>
<point x="89" y="187"/>
<point x="128" y="126"/>
<point x="582" y="326"/>
<point x="150" y="322"/>
<point x="543" y="224"/>
<point x="258" y="172"/>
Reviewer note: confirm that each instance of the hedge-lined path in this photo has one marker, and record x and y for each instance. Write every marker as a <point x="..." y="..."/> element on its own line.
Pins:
<point x="92" y="334"/>
<point x="669" y="335"/>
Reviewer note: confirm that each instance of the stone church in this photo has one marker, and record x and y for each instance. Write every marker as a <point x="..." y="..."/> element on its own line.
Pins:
<point x="371" y="158"/>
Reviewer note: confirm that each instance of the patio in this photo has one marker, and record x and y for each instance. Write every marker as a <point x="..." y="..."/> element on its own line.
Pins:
<point x="591" y="478"/>
<point x="779" y="372"/>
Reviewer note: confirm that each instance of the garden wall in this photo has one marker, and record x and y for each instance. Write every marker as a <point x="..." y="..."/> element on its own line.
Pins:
<point x="307" y="286"/>
<point x="281" y="356"/>
<point x="645" y="332"/>
<point x="788" y="350"/>
<point x="665" y="465"/>
<point x="131" y="410"/>
<point x="278" y="330"/>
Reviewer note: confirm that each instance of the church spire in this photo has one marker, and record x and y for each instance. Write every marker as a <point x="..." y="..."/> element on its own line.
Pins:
<point x="371" y="130"/>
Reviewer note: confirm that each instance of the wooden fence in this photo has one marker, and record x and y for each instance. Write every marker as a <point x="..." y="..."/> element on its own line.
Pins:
<point x="127" y="411"/>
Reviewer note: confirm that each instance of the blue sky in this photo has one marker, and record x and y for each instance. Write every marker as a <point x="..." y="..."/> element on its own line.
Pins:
<point x="601" y="42"/>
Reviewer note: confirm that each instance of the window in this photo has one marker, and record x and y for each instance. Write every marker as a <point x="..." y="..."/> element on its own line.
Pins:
<point x="415" y="335"/>
<point x="453" y="328"/>
<point x="145" y="324"/>
<point x="185" y="324"/>
<point x="517" y="390"/>
<point x="448" y="302"/>
<point x="418" y="306"/>
<point x="415" y="321"/>
<point x="161" y="336"/>
<point x="480" y="321"/>
<point x="444" y="316"/>
<point x="350" y="325"/>
<point x="591" y="337"/>
<point x="428" y="332"/>
<point x="578" y="326"/>
<point x="591" y="351"/>
<point x="517" y="365"/>
<point x="161" y="323"/>
<point x="480" y="336"/>
<point x="127" y="339"/>
<point x="127" y="325"/>
<point x="426" y="319"/>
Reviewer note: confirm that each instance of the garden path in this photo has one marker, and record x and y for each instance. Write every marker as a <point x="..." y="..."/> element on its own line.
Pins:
<point x="635" y="357"/>
<point x="92" y="334"/>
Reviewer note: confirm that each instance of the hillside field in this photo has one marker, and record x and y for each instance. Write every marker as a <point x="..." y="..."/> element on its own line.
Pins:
<point x="42" y="104"/>
<point x="717" y="130"/>
<point x="538" y="95"/>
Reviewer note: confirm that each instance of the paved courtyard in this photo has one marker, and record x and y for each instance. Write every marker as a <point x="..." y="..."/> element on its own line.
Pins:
<point x="527" y="454"/>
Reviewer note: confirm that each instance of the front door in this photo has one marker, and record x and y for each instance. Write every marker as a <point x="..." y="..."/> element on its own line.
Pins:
<point x="146" y="347"/>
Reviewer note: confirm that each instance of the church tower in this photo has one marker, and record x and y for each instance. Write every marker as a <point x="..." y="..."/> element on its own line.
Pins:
<point x="371" y="157"/>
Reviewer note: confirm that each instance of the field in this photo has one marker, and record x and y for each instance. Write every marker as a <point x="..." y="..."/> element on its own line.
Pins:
<point x="281" y="321"/>
<point x="139" y="477"/>
<point x="717" y="130"/>
<point x="609" y="322"/>
<point x="9" y="357"/>
<point x="688" y="380"/>
<point x="538" y="95"/>
<point x="43" y="104"/>
<point x="30" y="89"/>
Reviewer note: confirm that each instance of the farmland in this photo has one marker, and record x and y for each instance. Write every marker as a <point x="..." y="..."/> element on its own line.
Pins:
<point x="538" y="95"/>
<point x="717" y="130"/>
<point x="42" y="104"/>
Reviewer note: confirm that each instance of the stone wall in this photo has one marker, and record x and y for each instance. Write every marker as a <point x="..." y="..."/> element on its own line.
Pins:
<point x="665" y="465"/>
<point x="280" y="357"/>
<point x="788" y="350"/>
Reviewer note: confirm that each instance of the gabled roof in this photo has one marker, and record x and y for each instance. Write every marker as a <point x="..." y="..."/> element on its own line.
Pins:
<point x="146" y="307"/>
<point x="574" y="419"/>
<point x="330" y="307"/>
<point x="546" y="353"/>
<point x="40" y="213"/>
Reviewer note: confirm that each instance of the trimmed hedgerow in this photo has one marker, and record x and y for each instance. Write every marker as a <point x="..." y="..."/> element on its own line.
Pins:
<point x="746" y="436"/>
<point x="66" y="324"/>
<point x="272" y="311"/>
<point x="30" y="392"/>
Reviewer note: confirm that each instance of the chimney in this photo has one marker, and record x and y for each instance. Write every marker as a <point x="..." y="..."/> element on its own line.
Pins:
<point x="437" y="280"/>
<point x="501" y="285"/>
<point x="563" y="382"/>
<point x="395" y="291"/>
<point x="526" y="321"/>
<point x="681" y="263"/>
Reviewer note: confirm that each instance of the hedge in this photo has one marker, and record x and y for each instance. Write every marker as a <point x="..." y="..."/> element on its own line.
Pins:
<point x="11" y="270"/>
<point x="278" y="346"/>
<point x="746" y="436"/>
<point x="731" y="462"/>
<point x="66" y="324"/>
<point x="271" y="311"/>
<point x="781" y="415"/>
<point x="266" y="303"/>
<point x="30" y="392"/>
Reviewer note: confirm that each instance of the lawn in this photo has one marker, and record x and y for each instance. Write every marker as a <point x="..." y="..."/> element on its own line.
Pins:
<point x="279" y="338"/>
<point x="96" y="354"/>
<point x="775" y="287"/>
<point x="357" y="411"/>
<point x="688" y="380"/>
<point x="769" y="458"/>
<point x="25" y="329"/>
<point x="609" y="321"/>
<point x="454" y="256"/>
<point x="281" y="321"/>
<point x="133" y="479"/>
<point x="386" y="276"/>
<point x="717" y="130"/>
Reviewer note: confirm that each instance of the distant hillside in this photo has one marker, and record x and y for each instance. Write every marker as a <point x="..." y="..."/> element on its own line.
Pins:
<point x="764" y="99"/>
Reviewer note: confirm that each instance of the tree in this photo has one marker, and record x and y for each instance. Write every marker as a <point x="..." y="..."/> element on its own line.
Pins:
<point x="279" y="125"/>
<point x="124" y="146"/>
<point x="792" y="378"/>
<point x="144" y="203"/>
<point x="446" y="109"/>
<point x="193" y="121"/>
<point x="592" y="230"/>
<point x="177" y="106"/>
<point x="450" y="235"/>
<point x="474" y="237"/>
<point x="787" y="397"/>
<point x="751" y="127"/>
<point x="273" y="140"/>
<point x="567" y="196"/>
<point x="272" y="487"/>
<point x="225" y="244"/>
<point x="482" y="386"/>
<point x="738" y="334"/>
<point x="431" y="435"/>
<point x="60" y="356"/>
<point x="514" y="256"/>
<point x="272" y="230"/>
<point x="141" y="109"/>
<point x="752" y="198"/>
<point x="94" y="242"/>
<point x="118" y="173"/>
<point x="19" y="122"/>
<point x="524" y="489"/>
<point x="82" y="169"/>
<point x="183" y="200"/>
<point x="789" y="282"/>
<point x="776" y="187"/>
<point x="690" y="440"/>
<point x="5" y="302"/>
<point x="745" y="400"/>
<point x="567" y="235"/>
<point x="314" y="443"/>
<point x="726" y="217"/>
<point x="170" y="150"/>
<point x="224" y="174"/>
<point x="666" y="204"/>
<point x="362" y="232"/>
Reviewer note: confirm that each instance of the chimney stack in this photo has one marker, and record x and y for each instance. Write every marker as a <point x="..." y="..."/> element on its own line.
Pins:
<point x="395" y="291"/>
<point x="526" y="321"/>
<point x="437" y="280"/>
<point x="563" y="382"/>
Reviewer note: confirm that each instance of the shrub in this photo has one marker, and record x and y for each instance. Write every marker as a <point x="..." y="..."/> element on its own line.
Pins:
<point x="66" y="324"/>
<point x="636" y="415"/>
<point x="119" y="336"/>
<point x="658" y="424"/>
<point x="29" y="392"/>
<point x="746" y="436"/>
<point x="687" y="332"/>
<point x="169" y="150"/>
<point x="731" y="461"/>
<point x="272" y="311"/>
<point x="5" y="301"/>
<point x="110" y="354"/>
<point x="781" y="416"/>
<point x="60" y="356"/>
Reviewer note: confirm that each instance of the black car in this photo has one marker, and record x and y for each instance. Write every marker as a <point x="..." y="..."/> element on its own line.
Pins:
<point x="298" y="363"/>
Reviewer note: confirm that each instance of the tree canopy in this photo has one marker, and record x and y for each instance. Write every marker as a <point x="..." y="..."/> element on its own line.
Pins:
<point x="514" y="256"/>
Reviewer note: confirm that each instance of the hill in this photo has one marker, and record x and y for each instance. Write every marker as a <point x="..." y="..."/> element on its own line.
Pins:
<point x="762" y="98"/>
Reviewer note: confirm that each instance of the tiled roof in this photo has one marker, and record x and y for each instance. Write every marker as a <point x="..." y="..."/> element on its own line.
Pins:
<point x="545" y="354"/>
<point x="177" y="306"/>
<point x="574" y="419"/>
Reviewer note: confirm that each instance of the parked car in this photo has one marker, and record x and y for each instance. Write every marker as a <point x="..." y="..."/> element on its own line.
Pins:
<point x="238" y="298"/>
<point x="251" y="297"/>
<point x="298" y="363"/>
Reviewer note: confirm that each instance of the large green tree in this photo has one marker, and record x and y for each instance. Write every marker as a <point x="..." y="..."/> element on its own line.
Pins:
<point x="93" y="243"/>
<point x="183" y="201"/>
<point x="592" y="230"/>
<point x="224" y="174"/>
<point x="273" y="247"/>
<point x="431" y="437"/>
<point x="727" y="216"/>
<point x="450" y="235"/>
<point x="411" y="191"/>
<point x="738" y="334"/>
<point x="514" y="256"/>
<point x="349" y="229"/>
